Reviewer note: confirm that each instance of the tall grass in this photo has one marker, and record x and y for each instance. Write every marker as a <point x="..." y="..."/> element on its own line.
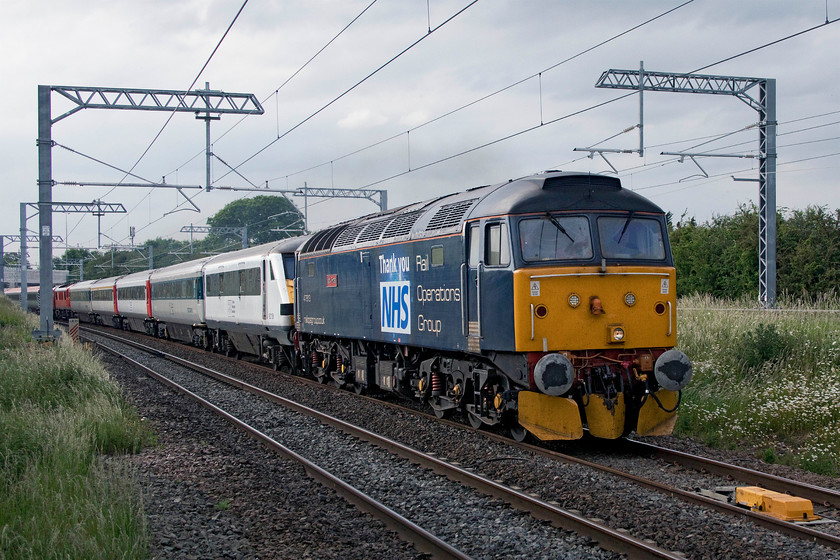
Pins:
<point x="59" y="412"/>
<point x="768" y="379"/>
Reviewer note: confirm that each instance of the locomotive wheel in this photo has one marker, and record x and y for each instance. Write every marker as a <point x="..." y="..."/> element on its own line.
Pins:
<point x="475" y="420"/>
<point x="359" y="388"/>
<point x="440" y="413"/>
<point x="518" y="433"/>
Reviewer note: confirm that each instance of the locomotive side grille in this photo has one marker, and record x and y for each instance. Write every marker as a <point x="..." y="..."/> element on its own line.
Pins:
<point x="401" y="225"/>
<point x="450" y="215"/>
<point x="373" y="231"/>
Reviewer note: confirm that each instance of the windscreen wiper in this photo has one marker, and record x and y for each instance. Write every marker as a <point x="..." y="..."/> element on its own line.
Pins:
<point x="626" y="223"/>
<point x="554" y="221"/>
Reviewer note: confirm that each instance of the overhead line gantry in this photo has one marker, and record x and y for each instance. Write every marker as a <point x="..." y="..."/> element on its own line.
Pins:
<point x="744" y="88"/>
<point x="205" y="102"/>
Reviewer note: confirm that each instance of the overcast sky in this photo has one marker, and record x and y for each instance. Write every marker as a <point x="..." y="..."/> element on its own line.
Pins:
<point x="492" y="45"/>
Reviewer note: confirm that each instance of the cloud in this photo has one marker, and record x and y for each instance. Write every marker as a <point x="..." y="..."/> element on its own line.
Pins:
<point x="414" y="118"/>
<point x="362" y="118"/>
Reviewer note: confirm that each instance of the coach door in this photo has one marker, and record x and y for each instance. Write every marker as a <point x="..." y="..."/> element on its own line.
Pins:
<point x="472" y="278"/>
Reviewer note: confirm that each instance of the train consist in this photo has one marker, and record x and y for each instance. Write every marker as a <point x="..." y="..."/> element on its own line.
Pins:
<point x="545" y="304"/>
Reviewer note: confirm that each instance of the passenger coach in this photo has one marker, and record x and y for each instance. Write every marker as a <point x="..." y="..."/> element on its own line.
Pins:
<point x="177" y="302"/>
<point x="134" y="302"/>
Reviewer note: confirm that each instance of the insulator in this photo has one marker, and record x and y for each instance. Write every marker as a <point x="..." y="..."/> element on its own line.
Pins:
<point x="437" y="384"/>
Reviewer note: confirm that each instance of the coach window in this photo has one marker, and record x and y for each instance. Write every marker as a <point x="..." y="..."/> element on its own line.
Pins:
<point x="230" y="286"/>
<point x="497" y="245"/>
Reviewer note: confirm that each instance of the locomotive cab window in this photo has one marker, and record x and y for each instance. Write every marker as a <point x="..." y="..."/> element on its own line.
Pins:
<point x="626" y="237"/>
<point x="289" y="265"/>
<point x="472" y="249"/>
<point x="551" y="238"/>
<point x="497" y="247"/>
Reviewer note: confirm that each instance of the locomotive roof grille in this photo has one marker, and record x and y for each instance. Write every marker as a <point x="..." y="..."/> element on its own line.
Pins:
<point x="348" y="236"/>
<point x="401" y="225"/>
<point x="450" y="215"/>
<point x="373" y="230"/>
<point x="595" y="182"/>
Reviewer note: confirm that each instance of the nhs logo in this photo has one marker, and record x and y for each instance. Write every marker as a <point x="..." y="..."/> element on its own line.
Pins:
<point x="396" y="307"/>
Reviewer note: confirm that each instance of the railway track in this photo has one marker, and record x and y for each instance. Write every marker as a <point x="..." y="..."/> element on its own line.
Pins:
<point x="819" y="495"/>
<point x="616" y="541"/>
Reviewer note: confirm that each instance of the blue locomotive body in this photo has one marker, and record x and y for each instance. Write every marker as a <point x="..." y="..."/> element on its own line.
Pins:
<point x="394" y="294"/>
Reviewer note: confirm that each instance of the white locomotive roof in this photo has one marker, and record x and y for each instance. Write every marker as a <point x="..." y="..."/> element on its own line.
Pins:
<point x="256" y="253"/>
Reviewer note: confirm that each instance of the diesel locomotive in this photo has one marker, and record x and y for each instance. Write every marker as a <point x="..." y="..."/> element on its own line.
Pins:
<point x="545" y="305"/>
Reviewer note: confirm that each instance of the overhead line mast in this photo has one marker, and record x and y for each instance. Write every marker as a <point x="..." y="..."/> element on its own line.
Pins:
<point x="765" y="104"/>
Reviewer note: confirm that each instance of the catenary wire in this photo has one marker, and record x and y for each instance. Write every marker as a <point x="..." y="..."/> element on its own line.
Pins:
<point x="278" y="88"/>
<point x="172" y="114"/>
<point x="492" y="94"/>
<point x="743" y="53"/>
<point x="351" y="88"/>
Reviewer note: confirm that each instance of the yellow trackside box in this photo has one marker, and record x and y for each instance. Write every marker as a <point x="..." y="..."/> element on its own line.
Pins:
<point x="776" y="504"/>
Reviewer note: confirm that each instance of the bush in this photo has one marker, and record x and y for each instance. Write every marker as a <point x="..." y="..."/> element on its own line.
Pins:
<point x="761" y="346"/>
<point x="766" y="379"/>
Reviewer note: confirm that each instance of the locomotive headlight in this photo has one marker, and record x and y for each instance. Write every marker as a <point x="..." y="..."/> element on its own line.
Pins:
<point x="574" y="300"/>
<point x="630" y="299"/>
<point x="616" y="333"/>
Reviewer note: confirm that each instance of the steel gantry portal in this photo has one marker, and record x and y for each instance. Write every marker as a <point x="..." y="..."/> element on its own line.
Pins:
<point x="205" y="102"/>
<point x="765" y="103"/>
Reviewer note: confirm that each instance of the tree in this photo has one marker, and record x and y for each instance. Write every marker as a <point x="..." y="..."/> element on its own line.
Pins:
<point x="809" y="251"/>
<point x="261" y="214"/>
<point x="720" y="257"/>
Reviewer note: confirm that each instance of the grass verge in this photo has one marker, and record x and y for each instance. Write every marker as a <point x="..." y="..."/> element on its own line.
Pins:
<point x="767" y="379"/>
<point x="59" y="414"/>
